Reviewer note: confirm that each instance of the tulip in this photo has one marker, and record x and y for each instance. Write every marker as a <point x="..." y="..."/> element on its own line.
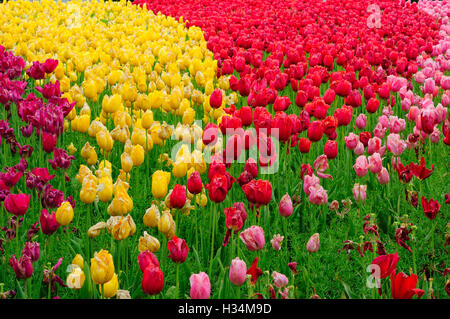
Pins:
<point x="253" y="238"/>
<point x="218" y="188"/>
<point x="152" y="216"/>
<point x="178" y="196"/>
<point x="152" y="281"/>
<point x="285" y="207"/>
<point x="194" y="183"/>
<point x="430" y="207"/>
<point x="361" y="166"/>
<point x="304" y="145"/>
<point x="361" y="121"/>
<point x="318" y="195"/>
<point x="383" y="176"/>
<point x="313" y="243"/>
<point x="23" y="268"/>
<point x="279" y="279"/>
<point x="178" y="249"/>
<point x="64" y="214"/>
<point x="17" y="204"/>
<point x="404" y="287"/>
<point x="215" y="100"/>
<point x="48" y="221"/>
<point x="160" y="183"/>
<point x="102" y="267"/>
<point x="75" y="280"/>
<point x="276" y="241"/>
<point x="330" y="149"/>
<point x="359" y="192"/>
<point x="110" y="287"/>
<point x="238" y="271"/>
<point x="78" y="260"/>
<point x="200" y="286"/>
<point x="32" y="250"/>
<point x="387" y="264"/>
<point x="315" y="131"/>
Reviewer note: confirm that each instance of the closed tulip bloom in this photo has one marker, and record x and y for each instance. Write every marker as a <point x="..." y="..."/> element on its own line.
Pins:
<point x="238" y="271"/>
<point x="315" y="131"/>
<point x="152" y="281"/>
<point x="152" y="216"/>
<point x="17" y="204"/>
<point x="178" y="249"/>
<point x="102" y="267"/>
<point x="361" y="121"/>
<point x="304" y="145"/>
<point x="147" y="259"/>
<point x="48" y="222"/>
<point x="375" y="163"/>
<point x="330" y="149"/>
<point x="194" y="183"/>
<point x="383" y="176"/>
<point x="351" y="141"/>
<point x="200" y="286"/>
<point x="160" y="183"/>
<point x="78" y="260"/>
<point x="110" y="287"/>
<point x="253" y="238"/>
<point x="64" y="214"/>
<point x="105" y="140"/>
<point x="126" y="161"/>
<point x="361" y="166"/>
<point x="215" y="100"/>
<point x="137" y="155"/>
<point x="218" y="188"/>
<point x="75" y="280"/>
<point x="359" y="192"/>
<point x="285" y="207"/>
<point x="313" y="243"/>
<point x="178" y="196"/>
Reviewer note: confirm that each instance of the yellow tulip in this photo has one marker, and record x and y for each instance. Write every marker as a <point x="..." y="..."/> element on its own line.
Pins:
<point x="160" y="183"/>
<point x="64" y="214"/>
<point x="137" y="155"/>
<point x="104" y="140"/>
<point x="105" y="189"/>
<point x="121" y="227"/>
<point x="78" y="260"/>
<point x="110" y="287"/>
<point x="75" y="280"/>
<point x="102" y="267"/>
<point x="151" y="216"/>
<point x="147" y="119"/>
<point x="95" y="230"/>
<point x="147" y="242"/>
<point x="126" y="162"/>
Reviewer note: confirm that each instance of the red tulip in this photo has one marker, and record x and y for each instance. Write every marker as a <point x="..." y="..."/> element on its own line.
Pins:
<point x="178" y="196"/>
<point x="304" y="145"/>
<point x="404" y="287"/>
<point x="152" y="281"/>
<point x="258" y="191"/>
<point x="147" y="259"/>
<point x="17" y="204"/>
<point x="194" y="183"/>
<point x="218" y="188"/>
<point x="315" y="131"/>
<point x="387" y="264"/>
<point x="215" y="100"/>
<point x="430" y="207"/>
<point x="49" y="225"/>
<point x="178" y="249"/>
<point x="330" y="149"/>
<point x="23" y="268"/>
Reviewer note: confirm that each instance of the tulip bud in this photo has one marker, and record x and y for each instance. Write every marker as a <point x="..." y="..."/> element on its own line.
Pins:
<point x="238" y="271"/>
<point x="110" y="287"/>
<point x="285" y="207"/>
<point x="313" y="243"/>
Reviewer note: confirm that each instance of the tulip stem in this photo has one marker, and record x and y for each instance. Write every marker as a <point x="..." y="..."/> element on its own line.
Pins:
<point x="212" y="240"/>
<point x="178" y="281"/>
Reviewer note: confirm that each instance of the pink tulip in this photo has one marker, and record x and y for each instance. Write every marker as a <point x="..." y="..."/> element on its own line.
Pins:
<point x="276" y="241"/>
<point x="359" y="149"/>
<point x="383" y="176"/>
<point x="359" y="192"/>
<point x="279" y="279"/>
<point x="238" y="271"/>
<point x="351" y="141"/>
<point x="361" y="121"/>
<point x="253" y="238"/>
<point x="395" y="144"/>
<point x="200" y="286"/>
<point x="361" y="166"/>
<point x="318" y="195"/>
<point x="313" y="243"/>
<point x="285" y="207"/>
<point x="375" y="163"/>
<point x="379" y="130"/>
<point x="308" y="182"/>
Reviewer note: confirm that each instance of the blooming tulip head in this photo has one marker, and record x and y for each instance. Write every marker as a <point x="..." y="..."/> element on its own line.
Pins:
<point x="102" y="267"/>
<point x="178" y="249"/>
<point x="200" y="286"/>
<point x="253" y="238"/>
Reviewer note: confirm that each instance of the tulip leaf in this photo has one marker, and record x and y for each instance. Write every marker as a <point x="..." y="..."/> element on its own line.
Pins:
<point x="171" y="293"/>
<point x="347" y="290"/>
<point x="197" y="259"/>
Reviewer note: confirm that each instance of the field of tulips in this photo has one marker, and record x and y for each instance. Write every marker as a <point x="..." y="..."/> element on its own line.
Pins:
<point x="227" y="149"/>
